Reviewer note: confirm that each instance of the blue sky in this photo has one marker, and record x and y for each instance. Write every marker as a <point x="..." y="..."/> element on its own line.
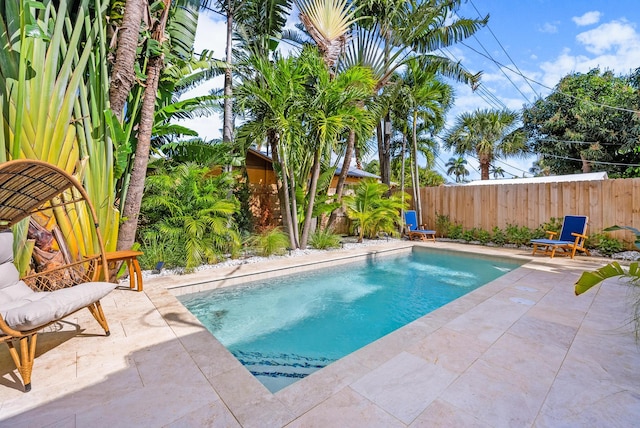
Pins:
<point x="543" y="39"/>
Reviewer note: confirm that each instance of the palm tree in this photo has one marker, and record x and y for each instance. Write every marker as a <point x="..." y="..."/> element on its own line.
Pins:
<point x="497" y="171"/>
<point x="487" y="134"/>
<point x="328" y="23"/>
<point x="420" y="101"/>
<point x="187" y="18"/>
<point x="391" y="32"/>
<point x="457" y="167"/>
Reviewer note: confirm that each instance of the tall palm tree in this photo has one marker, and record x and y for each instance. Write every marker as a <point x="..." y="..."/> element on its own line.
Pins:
<point x="328" y="23"/>
<point x="421" y="100"/>
<point x="487" y="134"/>
<point x="457" y="167"/>
<point x="391" y="32"/>
<point x="155" y="57"/>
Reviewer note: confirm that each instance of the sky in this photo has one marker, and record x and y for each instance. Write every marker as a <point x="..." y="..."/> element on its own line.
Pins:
<point x="542" y="40"/>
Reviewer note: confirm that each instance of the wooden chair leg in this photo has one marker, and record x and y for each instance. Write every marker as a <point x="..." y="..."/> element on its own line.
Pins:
<point x="96" y="311"/>
<point x="24" y="359"/>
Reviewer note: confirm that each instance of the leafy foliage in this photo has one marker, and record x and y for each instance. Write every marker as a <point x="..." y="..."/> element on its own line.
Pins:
<point x="323" y="239"/>
<point x="270" y="242"/>
<point x="588" y="118"/>
<point x="371" y="211"/>
<point x="189" y="207"/>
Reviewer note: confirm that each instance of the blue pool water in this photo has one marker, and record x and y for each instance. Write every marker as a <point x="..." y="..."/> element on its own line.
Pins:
<point x="286" y="328"/>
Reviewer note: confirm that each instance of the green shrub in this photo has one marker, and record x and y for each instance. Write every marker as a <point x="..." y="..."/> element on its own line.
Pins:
<point x="553" y="225"/>
<point x="323" y="239"/>
<point x="604" y="243"/>
<point x="483" y="236"/>
<point x="518" y="235"/>
<point x="498" y="237"/>
<point x="455" y="231"/>
<point x="469" y="235"/>
<point x="270" y="242"/>
<point x="443" y="223"/>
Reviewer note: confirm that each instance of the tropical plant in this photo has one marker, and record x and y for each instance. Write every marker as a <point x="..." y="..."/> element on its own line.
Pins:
<point x="371" y="211"/>
<point x="487" y="134"/>
<point x="52" y="102"/>
<point x="457" y="167"/>
<point x="588" y="123"/>
<point x="419" y="104"/>
<point x="604" y="243"/>
<point x="189" y="205"/>
<point x="590" y="279"/>
<point x="155" y="49"/>
<point x="496" y="171"/>
<point x="324" y="239"/>
<point x="390" y="33"/>
<point x="296" y="106"/>
<point x="270" y="242"/>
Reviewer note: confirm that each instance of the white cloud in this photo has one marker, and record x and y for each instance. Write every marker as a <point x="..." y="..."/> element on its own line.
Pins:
<point x="615" y="34"/>
<point x="588" y="18"/>
<point x="615" y="46"/>
<point x="548" y="27"/>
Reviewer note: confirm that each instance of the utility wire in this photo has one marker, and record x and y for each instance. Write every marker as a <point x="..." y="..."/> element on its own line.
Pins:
<point x="481" y="90"/>
<point x="506" y="53"/>
<point x="547" y="87"/>
<point x="590" y="161"/>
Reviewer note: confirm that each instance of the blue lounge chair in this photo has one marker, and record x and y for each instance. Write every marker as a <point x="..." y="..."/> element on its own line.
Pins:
<point x="571" y="239"/>
<point x="413" y="232"/>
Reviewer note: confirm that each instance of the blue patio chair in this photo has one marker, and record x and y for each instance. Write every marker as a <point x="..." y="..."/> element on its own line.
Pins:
<point x="571" y="239"/>
<point x="415" y="232"/>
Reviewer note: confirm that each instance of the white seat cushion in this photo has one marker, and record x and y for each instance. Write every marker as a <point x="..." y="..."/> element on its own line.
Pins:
<point x="40" y="308"/>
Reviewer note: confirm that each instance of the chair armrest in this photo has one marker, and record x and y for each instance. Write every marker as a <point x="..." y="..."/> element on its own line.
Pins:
<point x="551" y="234"/>
<point x="578" y="236"/>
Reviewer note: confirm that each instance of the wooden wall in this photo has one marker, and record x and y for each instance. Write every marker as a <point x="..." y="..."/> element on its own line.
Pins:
<point x="606" y="202"/>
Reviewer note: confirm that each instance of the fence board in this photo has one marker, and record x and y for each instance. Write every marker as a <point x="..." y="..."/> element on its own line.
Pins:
<point x="606" y="203"/>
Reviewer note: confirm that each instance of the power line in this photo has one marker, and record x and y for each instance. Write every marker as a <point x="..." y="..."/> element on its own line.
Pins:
<point x="506" y="53"/>
<point x="482" y="92"/>
<point x="547" y="87"/>
<point x="590" y="161"/>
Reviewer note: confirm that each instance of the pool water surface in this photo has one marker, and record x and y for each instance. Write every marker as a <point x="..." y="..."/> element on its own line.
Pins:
<point x="286" y="328"/>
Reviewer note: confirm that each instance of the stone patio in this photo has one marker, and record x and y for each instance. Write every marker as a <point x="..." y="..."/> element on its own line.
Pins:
<point x="520" y="351"/>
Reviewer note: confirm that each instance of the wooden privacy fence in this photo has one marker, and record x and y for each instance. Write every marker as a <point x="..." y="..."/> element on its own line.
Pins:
<point x="606" y="202"/>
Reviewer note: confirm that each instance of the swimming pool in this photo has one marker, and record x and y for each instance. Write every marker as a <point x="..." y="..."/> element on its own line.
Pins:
<point x="286" y="328"/>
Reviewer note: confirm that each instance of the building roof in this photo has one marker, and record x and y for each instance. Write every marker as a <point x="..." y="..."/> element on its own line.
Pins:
<point x="353" y="172"/>
<point x="591" y="176"/>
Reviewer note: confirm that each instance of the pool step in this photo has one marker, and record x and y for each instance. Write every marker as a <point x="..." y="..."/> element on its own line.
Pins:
<point x="281" y="365"/>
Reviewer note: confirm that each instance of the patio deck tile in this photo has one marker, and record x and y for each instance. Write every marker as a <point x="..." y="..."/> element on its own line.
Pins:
<point x="520" y="351"/>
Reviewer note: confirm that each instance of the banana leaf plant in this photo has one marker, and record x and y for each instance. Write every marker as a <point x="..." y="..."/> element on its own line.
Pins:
<point x="590" y="279"/>
<point x="52" y="77"/>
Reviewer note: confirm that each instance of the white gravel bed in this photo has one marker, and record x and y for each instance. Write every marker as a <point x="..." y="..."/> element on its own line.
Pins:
<point x="347" y="243"/>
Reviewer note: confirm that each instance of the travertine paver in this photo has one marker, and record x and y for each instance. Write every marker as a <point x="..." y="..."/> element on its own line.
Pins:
<point x="520" y="351"/>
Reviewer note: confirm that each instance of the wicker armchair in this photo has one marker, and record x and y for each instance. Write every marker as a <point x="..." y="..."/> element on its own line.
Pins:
<point x="37" y="300"/>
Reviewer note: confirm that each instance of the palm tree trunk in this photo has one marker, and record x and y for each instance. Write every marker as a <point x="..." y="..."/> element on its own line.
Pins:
<point x="131" y="209"/>
<point x="283" y="189"/>
<point x="293" y="206"/>
<point x="343" y="175"/>
<point x="315" y="173"/>
<point x="485" y="160"/>
<point x="227" y="128"/>
<point x="384" y="148"/>
<point x="123" y="73"/>
<point x="416" y="178"/>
